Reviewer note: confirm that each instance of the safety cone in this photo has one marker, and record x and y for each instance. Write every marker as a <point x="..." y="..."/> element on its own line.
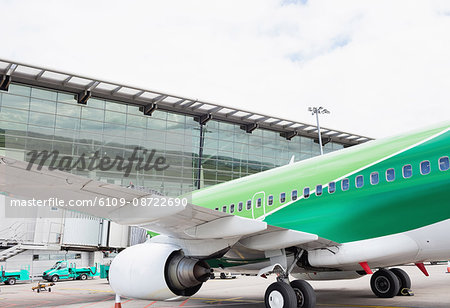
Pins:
<point x="448" y="267"/>
<point x="118" y="303"/>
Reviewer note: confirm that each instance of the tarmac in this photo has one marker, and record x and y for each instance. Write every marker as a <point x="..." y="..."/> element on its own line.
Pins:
<point x="248" y="292"/>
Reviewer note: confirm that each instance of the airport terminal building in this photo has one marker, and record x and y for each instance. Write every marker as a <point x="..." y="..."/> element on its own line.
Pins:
<point x="203" y="143"/>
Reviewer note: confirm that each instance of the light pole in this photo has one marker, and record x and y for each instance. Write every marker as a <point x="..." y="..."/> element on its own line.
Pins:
<point x="316" y="111"/>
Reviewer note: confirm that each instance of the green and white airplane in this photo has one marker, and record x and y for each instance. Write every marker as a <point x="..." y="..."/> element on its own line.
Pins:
<point x="338" y="216"/>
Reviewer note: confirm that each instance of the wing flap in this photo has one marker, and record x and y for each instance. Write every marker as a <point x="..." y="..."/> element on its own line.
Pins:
<point x="278" y="240"/>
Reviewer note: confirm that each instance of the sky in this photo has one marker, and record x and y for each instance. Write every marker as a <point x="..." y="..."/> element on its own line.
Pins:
<point x="380" y="67"/>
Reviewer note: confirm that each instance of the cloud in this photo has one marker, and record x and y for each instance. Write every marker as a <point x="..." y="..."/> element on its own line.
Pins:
<point x="379" y="66"/>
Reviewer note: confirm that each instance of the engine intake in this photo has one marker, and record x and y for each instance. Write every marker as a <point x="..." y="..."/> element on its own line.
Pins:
<point x="156" y="271"/>
<point x="184" y="275"/>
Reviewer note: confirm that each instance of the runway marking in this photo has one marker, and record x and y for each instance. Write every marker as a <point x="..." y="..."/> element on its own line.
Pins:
<point x="93" y="290"/>
<point x="124" y="302"/>
<point x="234" y="299"/>
<point x="150" y="304"/>
<point x="8" y="305"/>
<point x="183" y="303"/>
<point x="93" y="303"/>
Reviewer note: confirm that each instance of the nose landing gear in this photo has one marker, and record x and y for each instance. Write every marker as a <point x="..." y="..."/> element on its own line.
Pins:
<point x="282" y="294"/>
<point x="299" y="294"/>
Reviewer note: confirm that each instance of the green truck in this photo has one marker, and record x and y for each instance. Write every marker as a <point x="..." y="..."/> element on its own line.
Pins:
<point x="66" y="270"/>
<point x="12" y="277"/>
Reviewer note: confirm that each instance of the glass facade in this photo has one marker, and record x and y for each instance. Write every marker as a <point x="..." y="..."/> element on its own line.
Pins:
<point x="45" y="120"/>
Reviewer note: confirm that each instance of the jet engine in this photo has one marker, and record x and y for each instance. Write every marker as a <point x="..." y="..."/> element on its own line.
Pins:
<point x="156" y="271"/>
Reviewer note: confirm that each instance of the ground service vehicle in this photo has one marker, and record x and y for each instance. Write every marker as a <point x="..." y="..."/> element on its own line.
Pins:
<point x="11" y="277"/>
<point x="66" y="270"/>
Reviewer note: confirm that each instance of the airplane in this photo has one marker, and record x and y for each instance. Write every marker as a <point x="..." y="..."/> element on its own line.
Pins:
<point x="362" y="210"/>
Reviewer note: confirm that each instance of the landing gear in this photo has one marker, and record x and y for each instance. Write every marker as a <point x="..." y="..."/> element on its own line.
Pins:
<point x="280" y="295"/>
<point x="405" y="281"/>
<point x="299" y="294"/>
<point x="385" y="284"/>
<point x="306" y="297"/>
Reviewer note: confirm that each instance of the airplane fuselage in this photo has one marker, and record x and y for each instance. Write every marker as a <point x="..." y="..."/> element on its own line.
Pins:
<point x="390" y="196"/>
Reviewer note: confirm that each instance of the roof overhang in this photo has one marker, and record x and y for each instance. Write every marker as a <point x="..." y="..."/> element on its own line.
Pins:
<point x="80" y="85"/>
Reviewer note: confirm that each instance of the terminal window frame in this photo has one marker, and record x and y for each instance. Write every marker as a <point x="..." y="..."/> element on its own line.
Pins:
<point x="270" y="200"/>
<point x="294" y="195"/>
<point x="240" y="206"/>
<point x="306" y="192"/>
<point x="283" y="197"/>
<point x="407" y="171"/>
<point x="359" y="181"/>
<point x="390" y="175"/>
<point x="444" y="163"/>
<point x="345" y="184"/>
<point x="425" y="167"/>
<point x="374" y="178"/>
<point x="249" y="205"/>
<point x="331" y="187"/>
<point x="232" y="208"/>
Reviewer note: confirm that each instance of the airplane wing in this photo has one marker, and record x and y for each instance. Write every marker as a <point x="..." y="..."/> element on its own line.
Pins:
<point x="182" y="222"/>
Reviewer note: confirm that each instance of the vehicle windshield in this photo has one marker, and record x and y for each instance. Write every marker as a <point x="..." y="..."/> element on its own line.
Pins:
<point x="56" y="265"/>
<point x="59" y="265"/>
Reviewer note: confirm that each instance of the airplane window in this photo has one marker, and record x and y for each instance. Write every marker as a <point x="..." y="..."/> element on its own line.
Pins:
<point x="306" y="192"/>
<point x="216" y="209"/>
<point x="294" y="195"/>
<point x="282" y="197"/>
<point x="258" y="202"/>
<point x="374" y="178"/>
<point x="318" y="190"/>
<point x="359" y="181"/>
<point x="331" y="187"/>
<point x="345" y="184"/>
<point x="425" y="167"/>
<point x="270" y="200"/>
<point x="249" y="204"/>
<point x="390" y="174"/>
<point x="224" y="208"/>
<point x="232" y="208"/>
<point x="407" y="171"/>
<point x="240" y="206"/>
<point x="444" y="163"/>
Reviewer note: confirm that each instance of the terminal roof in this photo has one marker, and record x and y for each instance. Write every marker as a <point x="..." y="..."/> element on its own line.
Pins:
<point x="68" y="82"/>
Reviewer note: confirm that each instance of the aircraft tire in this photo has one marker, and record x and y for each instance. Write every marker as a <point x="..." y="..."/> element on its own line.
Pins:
<point x="280" y="295"/>
<point x="405" y="281"/>
<point x="306" y="297"/>
<point x="384" y="283"/>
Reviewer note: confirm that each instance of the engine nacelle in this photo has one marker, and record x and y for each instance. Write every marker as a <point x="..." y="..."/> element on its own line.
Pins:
<point x="156" y="271"/>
